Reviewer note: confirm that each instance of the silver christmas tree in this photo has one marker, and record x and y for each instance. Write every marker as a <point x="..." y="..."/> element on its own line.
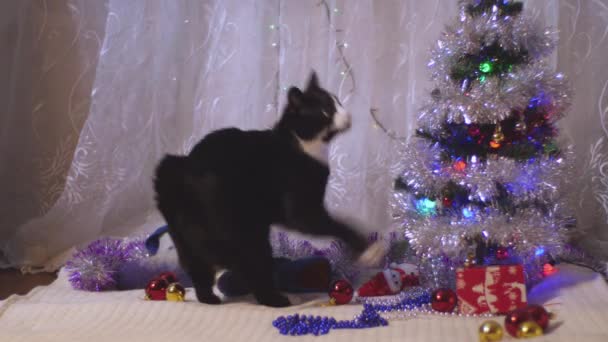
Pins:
<point x="484" y="176"/>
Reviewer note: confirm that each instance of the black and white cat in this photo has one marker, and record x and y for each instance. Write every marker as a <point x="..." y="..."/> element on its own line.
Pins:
<point x="221" y="199"/>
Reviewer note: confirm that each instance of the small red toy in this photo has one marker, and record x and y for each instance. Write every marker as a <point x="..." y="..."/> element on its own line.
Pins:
<point x="390" y="281"/>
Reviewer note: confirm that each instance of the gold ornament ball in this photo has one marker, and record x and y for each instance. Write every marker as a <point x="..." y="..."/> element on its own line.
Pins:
<point x="176" y="292"/>
<point x="498" y="135"/>
<point x="529" y="329"/>
<point x="521" y="126"/>
<point x="490" y="331"/>
<point x="470" y="260"/>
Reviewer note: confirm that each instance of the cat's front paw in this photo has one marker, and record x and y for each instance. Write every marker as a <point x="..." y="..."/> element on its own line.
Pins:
<point x="208" y="298"/>
<point x="275" y="300"/>
<point x="373" y="255"/>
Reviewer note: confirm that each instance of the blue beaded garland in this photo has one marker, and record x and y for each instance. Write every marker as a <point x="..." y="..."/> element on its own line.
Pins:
<point x="296" y="325"/>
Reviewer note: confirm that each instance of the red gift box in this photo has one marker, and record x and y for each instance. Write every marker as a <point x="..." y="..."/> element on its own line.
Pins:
<point x="494" y="289"/>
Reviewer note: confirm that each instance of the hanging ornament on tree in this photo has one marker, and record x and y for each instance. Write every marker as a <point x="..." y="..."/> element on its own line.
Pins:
<point x="341" y="292"/>
<point x="502" y="253"/>
<point x="443" y="300"/>
<point x="521" y="126"/>
<point x="390" y="281"/>
<point x="447" y="202"/>
<point x="474" y="130"/>
<point x="498" y="135"/>
<point x="470" y="260"/>
<point x="490" y="331"/>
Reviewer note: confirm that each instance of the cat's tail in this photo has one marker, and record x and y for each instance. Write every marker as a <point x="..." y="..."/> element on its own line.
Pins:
<point x="170" y="185"/>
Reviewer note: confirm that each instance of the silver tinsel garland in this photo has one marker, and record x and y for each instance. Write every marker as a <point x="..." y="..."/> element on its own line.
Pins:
<point x="495" y="99"/>
<point x="537" y="179"/>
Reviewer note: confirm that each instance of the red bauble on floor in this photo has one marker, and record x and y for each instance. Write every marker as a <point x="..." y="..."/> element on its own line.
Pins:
<point x="539" y="315"/>
<point x="156" y="289"/>
<point x="443" y="300"/>
<point x="341" y="291"/>
<point x="514" y="319"/>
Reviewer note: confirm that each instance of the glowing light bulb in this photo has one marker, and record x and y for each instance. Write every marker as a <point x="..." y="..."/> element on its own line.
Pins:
<point x="467" y="213"/>
<point x="548" y="269"/>
<point x="460" y="165"/>
<point x="426" y="206"/>
<point x="486" y="67"/>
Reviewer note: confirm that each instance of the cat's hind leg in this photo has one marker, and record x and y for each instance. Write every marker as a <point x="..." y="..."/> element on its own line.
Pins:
<point x="256" y="267"/>
<point x="193" y="261"/>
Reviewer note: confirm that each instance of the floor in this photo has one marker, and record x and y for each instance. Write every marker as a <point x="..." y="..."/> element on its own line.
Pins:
<point x="14" y="282"/>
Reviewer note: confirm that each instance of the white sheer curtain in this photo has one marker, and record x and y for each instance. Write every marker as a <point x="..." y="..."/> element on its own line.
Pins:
<point x="110" y="86"/>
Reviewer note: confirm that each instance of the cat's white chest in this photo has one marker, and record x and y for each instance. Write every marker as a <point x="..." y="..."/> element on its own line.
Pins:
<point x="316" y="148"/>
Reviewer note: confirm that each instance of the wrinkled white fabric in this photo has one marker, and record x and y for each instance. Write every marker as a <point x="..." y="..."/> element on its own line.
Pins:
<point x="578" y="297"/>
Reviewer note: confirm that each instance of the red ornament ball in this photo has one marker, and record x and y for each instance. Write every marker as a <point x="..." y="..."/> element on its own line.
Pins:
<point x="169" y="277"/>
<point x="502" y="253"/>
<point x="514" y="319"/>
<point x="539" y="315"/>
<point x="341" y="291"/>
<point x="474" y="130"/>
<point x="443" y="300"/>
<point x="447" y="202"/>
<point x="156" y="289"/>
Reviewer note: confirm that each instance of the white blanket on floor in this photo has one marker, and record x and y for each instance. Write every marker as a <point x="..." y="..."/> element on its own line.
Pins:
<point x="58" y="313"/>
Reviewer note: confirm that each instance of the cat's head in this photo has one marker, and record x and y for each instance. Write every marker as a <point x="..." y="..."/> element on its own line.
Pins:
<point x="314" y="113"/>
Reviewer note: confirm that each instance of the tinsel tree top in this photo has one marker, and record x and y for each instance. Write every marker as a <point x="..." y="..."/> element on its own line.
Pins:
<point x="500" y="7"/>
<point x="489" y="63"/>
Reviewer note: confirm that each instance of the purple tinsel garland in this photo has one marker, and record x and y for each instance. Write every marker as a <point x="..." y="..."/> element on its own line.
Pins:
<point x="94" y="268"/>
<point x="338" y="254"/>
<point x="98" y="266"/>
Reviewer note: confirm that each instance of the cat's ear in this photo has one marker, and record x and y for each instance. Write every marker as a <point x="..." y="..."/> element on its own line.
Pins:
<point x="294" y="96"/>
<point x="313" y="83"/>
